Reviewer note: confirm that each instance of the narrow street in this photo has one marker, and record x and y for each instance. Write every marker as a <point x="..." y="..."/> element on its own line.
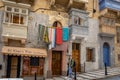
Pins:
<point x="112" y="78"/>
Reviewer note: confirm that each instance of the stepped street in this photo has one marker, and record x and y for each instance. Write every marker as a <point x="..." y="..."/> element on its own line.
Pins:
<point x="94" y="75"/>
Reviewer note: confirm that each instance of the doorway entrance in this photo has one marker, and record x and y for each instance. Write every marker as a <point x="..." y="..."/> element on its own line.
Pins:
<point x="13" y="66"/>
<point x="56" y="62"/>
<point x="76" y="55"/>
<point x="106" y="54"/>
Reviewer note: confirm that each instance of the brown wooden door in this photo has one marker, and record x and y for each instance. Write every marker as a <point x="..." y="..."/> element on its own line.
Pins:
<point x="56" y="62"/>
<point x="76" y="55"/>
<point x="14" y="62"/>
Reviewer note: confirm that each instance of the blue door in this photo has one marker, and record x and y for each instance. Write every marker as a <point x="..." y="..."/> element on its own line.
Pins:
<point x="106" y="54"/>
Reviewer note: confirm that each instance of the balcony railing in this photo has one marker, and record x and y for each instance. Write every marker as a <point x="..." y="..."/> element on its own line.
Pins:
<point x="84" y="1"/>
<point x="107" y="29"/>
<point x="78" y="30"/>
<point x="14" y="31"/>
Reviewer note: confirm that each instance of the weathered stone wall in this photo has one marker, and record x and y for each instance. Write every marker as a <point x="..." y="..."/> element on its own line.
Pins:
<point x="33" y="24"/>
<point x="117" y="52"/>
<point x="2" y="62"/>
<point x="91" y="41"/>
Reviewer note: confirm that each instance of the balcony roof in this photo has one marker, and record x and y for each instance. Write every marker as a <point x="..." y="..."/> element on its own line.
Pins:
<point x="17" y="4"/>
<point x="111" y="4"/>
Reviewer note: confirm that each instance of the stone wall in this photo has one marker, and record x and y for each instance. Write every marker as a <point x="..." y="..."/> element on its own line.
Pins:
<point x="117" y="54"/>
<point x="33" y="24"/>
<point x="2" y="62"/>
<point x="91" y="41"/>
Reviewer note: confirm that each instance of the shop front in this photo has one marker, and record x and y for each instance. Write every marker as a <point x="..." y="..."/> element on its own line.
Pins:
<point x="23" y="62"/>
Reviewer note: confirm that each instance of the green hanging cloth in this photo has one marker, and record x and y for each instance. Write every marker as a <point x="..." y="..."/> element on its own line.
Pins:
<point x="41" y="32"/>
<point x="45" y="36"/>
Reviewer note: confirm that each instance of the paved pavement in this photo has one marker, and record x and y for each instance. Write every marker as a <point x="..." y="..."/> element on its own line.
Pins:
<point x="112" y="78"/>
<point x="95" y="75"/>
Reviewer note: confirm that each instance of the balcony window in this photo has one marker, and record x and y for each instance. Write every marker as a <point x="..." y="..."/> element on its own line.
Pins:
<point x="108" y="21"/>
<point x="13" y="15"/>
<point x="77" y="20"/>
<point x="34" y="61"/>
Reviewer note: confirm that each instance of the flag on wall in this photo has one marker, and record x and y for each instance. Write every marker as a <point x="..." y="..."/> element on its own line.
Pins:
<point x="58" y="35"/>
<point x="51" y="34"/>
<point x="45" y="35"/>
<point x="41" y="32"/>
<point x="65" y="34"/>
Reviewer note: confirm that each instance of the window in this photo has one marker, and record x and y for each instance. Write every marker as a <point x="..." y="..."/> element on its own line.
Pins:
<point x="34" y="61"/>
<point x="118" y="57"/>
<point x="109" y="21"/>
<point x="118" y="34"/>
<point x="90" y="55"/>
<point x="32" y="65"/>
<point x="77" y="20"/>
<point x="75" y="46"/>
<point x="14" y="15"/>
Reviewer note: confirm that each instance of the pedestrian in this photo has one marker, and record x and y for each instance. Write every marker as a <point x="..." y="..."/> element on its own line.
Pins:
<point x="69" y="68"/>
<point x="70" y="72"/>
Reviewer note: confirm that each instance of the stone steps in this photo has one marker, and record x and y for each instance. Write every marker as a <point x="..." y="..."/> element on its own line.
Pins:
<point x="99" y="74"/>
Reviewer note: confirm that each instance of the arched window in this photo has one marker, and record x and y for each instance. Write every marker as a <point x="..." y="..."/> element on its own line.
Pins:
<point x="57" y="24"/>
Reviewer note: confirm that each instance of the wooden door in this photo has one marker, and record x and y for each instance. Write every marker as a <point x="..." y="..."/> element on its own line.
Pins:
<point x="14" y="61"/>
<point x="13" y="67"/>
<point x="76" y="55"/>
<point x="56" y="62"/>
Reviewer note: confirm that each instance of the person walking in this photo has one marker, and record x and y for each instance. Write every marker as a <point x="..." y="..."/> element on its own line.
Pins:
<point x="69" y="67"/>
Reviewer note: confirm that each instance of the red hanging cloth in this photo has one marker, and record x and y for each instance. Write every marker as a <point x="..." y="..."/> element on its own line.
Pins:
<point x="58" y="35"/>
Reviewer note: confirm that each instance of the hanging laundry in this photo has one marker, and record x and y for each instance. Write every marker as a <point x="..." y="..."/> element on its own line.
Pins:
<point x="58" y="35"/>
<point x="65" y="34"/>
<point x="51" y="34"/>
<point x="45" y="35"/>
<point x="41" y="32"/>
<point x="53" y="37"/>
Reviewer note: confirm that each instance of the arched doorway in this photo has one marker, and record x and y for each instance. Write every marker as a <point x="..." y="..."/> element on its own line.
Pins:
<point x="57" y="24"/>
<point x="57" y="54"/>
<point x="106" y="54"/>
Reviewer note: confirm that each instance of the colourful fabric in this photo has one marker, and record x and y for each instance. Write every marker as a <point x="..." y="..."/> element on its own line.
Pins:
<point x="65" y="34"/>
<point x="58" y="36"/>
<point x="50" y="34"/>
<point x="53" y="38"/>
<point x="41" y="32"/>
<point x="45" y="35"/>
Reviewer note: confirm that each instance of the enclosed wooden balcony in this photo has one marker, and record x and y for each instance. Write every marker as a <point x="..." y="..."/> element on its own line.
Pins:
<point x="78" y="23"/>
<point x="107" y="29"/>
<point x="68" y="4"/>
<point x="14" y="31"/>
<point x="111" y="4"/>
<point x="31" y="2"/>
<point x="107" y="25"/>
<point x="78" y="30"/>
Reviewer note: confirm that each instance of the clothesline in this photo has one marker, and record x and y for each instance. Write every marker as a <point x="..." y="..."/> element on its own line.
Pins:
<point x="56" y="27"/>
